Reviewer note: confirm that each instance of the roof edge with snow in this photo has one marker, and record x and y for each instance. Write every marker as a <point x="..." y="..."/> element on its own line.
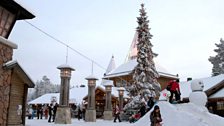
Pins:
<point x="15" y="66"/>
<point x="8" y="43"/>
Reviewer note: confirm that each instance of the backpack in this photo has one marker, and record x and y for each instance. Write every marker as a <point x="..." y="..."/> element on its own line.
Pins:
<point x="168" y="87"/>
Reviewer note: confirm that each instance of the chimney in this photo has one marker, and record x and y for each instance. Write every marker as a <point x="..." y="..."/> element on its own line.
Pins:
<point x="189" y="78"/>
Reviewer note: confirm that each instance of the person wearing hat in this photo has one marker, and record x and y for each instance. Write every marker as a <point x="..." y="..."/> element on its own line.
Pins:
<point x="155" y="117"/>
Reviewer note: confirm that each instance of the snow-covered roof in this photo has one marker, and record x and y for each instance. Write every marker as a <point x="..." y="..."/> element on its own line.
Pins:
<point x="65" y="66"/>
<point x="114" y="91"/>
<point x="107" y="82"/>
<point x="45" y="99"/>
<point x="209" y="82"/>
<point x="218" y="94"/>
<point x="76" y="95"/>
<point x="13" y="64"/>
<point x="127" y="68"/>
<point x="111" y="65"/>
<point x="8" y="43"/>
<point x="91" y="77"/>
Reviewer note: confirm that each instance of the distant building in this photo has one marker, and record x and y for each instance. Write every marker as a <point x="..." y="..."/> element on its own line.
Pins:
<point x="214" y="89"/>
<point x="14" y="82"/>
<point x="122" y="75"/>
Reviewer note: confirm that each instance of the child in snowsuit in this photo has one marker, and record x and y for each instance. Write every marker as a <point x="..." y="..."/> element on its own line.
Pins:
<point x="155" y="117"/>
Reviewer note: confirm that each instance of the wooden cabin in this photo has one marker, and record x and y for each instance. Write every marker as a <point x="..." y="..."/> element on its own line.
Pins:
<point x="20" y="82"/>
<point x="214" y="89"/>
<point x="122" y="75"/>
<point x="13" y="80"/>
<point x="216" y="98"/>
<point x="100" y="99"/>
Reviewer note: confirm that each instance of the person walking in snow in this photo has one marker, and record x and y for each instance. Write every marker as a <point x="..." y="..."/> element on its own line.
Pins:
<point x="79" y="113"/>
<point x="150" y="103"/>
<point x="83" y="112"/>
<point x="50" y="109"/>
<point x="143" y="109"/>
<point x="174" y="89"/>
<point x="117" y="114"/>
<point x="55" y="111"/>
<point x="46" y="112"/>
<point x="155" y="117"/>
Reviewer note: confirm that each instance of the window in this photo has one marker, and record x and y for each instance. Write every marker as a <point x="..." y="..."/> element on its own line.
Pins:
<point x="220" y="105"/>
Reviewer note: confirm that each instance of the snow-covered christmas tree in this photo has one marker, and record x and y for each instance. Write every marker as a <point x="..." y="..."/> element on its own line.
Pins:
<point x="145" y="76"/>
<point x="218" y="60"/>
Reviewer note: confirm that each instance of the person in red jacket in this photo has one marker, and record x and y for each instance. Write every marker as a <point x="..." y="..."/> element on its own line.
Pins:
<point x="175" y="89"/>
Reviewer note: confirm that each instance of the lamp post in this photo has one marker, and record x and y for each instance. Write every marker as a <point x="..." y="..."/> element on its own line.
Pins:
<point x="108" y="115"/>
<point x="63" y="115"/>
<point x="91" y="110"/>
<point x="121" y="99"/>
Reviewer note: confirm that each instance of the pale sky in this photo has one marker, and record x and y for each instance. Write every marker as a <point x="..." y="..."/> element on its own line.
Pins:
<point x="184" y="35"/>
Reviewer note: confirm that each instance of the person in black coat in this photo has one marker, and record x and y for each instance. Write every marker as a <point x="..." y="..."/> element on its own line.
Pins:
<point x="41" y="112"/>
<point x="143" y="109"/>
<point x="150" y="103"/>
<point x="55" y="111"/>
<point x="50" y="109"/>
<point x="79" y="113"/>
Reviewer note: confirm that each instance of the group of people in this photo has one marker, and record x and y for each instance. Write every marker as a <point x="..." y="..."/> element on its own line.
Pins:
<point x="52" y="110"/>
<point x="174" y="88"/>
<point x="143" y="110"/>
<point x="81" y="113"/>
<point x="155" y="116"/>
<point x="40" y="112"/>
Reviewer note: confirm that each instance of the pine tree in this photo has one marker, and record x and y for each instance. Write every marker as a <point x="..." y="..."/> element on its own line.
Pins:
<point x="42" y="87"/>
<point x="145" y="76"/>
<point x="218" y="60"/>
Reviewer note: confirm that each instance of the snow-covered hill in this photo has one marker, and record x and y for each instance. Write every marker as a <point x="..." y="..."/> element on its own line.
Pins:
<point x="183" y="115"/>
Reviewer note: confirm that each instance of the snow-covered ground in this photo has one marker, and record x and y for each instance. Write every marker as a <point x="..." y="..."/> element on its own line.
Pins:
<point x="75" y="122"/>
<point x="173" y="115"/>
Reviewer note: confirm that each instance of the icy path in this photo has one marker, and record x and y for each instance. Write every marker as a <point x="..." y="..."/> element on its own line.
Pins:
<point x="75" y="122"/>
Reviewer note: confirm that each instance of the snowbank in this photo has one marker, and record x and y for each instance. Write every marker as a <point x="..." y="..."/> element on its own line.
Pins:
<point x="183" y="115"/>
<point x="202" y="114"/>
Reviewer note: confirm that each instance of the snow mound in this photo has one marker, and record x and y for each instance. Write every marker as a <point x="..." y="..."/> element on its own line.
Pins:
<point x="202" y="113"/>
<point x="183" y="115"/>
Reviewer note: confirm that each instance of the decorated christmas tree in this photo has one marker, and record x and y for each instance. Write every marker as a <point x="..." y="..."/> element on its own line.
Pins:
<point x="218" y="60"/>
<point x="145" y="76"/>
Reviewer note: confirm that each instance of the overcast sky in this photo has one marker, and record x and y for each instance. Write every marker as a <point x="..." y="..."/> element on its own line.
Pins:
<point x="184" y="35"/>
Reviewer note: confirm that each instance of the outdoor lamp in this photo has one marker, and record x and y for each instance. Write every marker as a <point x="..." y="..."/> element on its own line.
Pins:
<point x="121" y="91"/>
